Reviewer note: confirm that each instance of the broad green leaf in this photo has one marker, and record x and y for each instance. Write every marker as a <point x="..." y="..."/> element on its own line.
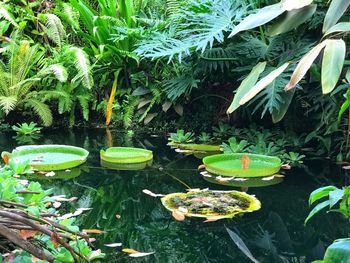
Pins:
<point x="317" y="209"/>
<point x="345" y="105"/>
<point x="332" y="64"/>
<point x="340" y="27"/>
<point x="263" y="16"/>
<point x="304" y="65"/>
<point x="336" y="9"/>
<point x="246" y="85"/>
<point x="287" y="97"/>
<point x="33" y="210"/>
<point x="241" y="245"/>
<point x="335" y="196"/>
<point x="292" y="19"/>
<point x="289" y="5"/>
<point x="320" y="193"/>
<point x="263" y="83"/>
<point x="339" y="251"/>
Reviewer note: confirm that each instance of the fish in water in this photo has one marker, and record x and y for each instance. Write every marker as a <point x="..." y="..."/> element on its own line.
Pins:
<point x="245" y="162"/>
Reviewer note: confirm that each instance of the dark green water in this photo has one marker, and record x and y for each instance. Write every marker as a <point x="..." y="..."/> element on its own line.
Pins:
<point x="276" y="233"/>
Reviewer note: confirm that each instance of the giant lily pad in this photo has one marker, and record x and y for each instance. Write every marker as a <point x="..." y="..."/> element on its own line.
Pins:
<point x="243" y="182"/>
<point x="125" y="155"/>
<point x="61" y="174"/>
<point x="49" y="157"/>
<point x="210" y="204"/>
<point x="234" y="165"/>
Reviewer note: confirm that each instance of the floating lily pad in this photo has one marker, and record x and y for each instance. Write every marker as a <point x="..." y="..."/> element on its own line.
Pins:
<point x="49" y="157"/>
<point x="211" y="204"/>
<point x="233" y="165"/>
<point x="200" y="147"/>
<point x="242" y="182"/>
<point x="126" y="166"/>
<point x="125" y="155"/>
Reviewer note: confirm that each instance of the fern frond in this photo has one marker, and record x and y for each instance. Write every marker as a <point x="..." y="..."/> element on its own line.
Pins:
<point x="5" y="14"/>
<point x="70" y="15"/>
<point x="8" y="103"/>
<point x="41" y="109"/>
<point x="59" y="71"/>
<point x="173" y="7"/>
<point x="84" y="104"/>
<point x="82" y="64"/>
<point x="55" y="30"/>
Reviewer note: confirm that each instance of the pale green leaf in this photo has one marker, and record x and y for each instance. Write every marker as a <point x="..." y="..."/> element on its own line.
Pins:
<point x="246" y="85"/>
<point x="304" y="65"/>
<point x="292" y="19"/>
<point x="340" y="27"/>
<point x="332" y="64"/>
<point x="339" y="251"/>
<point x="263" y="83"/>
<point x="289" y="5"/>
<point x="336" y="9"/>
<point x="335" y="196"/>
<point x="263" y="16"/>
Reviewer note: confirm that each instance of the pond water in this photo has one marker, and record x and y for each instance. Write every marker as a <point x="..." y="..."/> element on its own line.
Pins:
<point x="276" y="233"/>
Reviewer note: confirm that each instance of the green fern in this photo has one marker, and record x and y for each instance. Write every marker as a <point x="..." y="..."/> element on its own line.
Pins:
<point x="41" y="109"/>
<point x="179" y="86"/>
<point x="82" y="65"/>
<point x="54" y="29"/>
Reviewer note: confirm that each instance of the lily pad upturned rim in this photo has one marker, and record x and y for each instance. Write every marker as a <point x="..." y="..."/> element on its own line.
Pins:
<point x="271" y="166"/>
<point x="126" y="166"/>
<point x="21" y="151"/>
<point x="138" y="155"/>
<point x="254" y="204"/>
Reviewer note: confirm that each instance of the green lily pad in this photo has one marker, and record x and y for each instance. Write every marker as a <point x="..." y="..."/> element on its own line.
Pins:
<point x="231" y="165"/>
<point x="200" y="147"/>
<point x="211" y="204"/>
<point x="125" y="155"/>
<point x="49" y="157"/>
<point x="126" y="166"/>
<point x="242" y="182"/>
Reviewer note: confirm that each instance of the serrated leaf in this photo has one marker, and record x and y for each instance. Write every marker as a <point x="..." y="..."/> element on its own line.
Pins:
<point x="304" y="65"/>
<point x="263" y="16"/>
<point x="289" y="5"/>
<point x="246" y="85"/>
<point x="292" y="19"/>
<point x="335" y="11"/>
<point x="263" y="83"/>
<point x="332" y="64"/>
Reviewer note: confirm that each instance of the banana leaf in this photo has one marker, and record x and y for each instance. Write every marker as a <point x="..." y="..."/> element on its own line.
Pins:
<point x="231" y="165"/>
<point x="126" y="155"/>
<point x="49" y="157"/>
<point x="211" y="204"/>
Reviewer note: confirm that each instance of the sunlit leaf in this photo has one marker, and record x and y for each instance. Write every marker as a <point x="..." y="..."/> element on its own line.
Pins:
<point x="291" y="20"/>
<point x="339" y="251"/>
<point x="289" y="5"/>
<point x="335" y="11"/>
<point x="304" y="65"/>
<point x="109" y="111"/>
<point x="335" y="196"/>
<point x="246" y="85"/>
<point x="135" y="254"/>
<point x="320" y="193"/>
<point x="263" y="83"/>
<point x="263" y="16"/>
<point x="332" y="64"/>
<point x="340" y="27"/>
<point x="114" y="245"/>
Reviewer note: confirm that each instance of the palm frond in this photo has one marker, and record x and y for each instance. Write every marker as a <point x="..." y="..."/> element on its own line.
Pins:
<point x="8" y="103"/>
<point x="82" y="64"/>
<point x="41" y="109"/>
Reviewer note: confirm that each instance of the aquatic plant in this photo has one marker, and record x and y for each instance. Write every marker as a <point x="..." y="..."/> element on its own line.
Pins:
<point x="293" y="158"/>
<point x="26" y="129"/>
<point x="205" y="137"/>
<point x="180" y="137"/>
<point x="235" y="147"/>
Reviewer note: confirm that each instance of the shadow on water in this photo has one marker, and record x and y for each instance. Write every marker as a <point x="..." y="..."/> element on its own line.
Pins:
<point x="276" y="233"/>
